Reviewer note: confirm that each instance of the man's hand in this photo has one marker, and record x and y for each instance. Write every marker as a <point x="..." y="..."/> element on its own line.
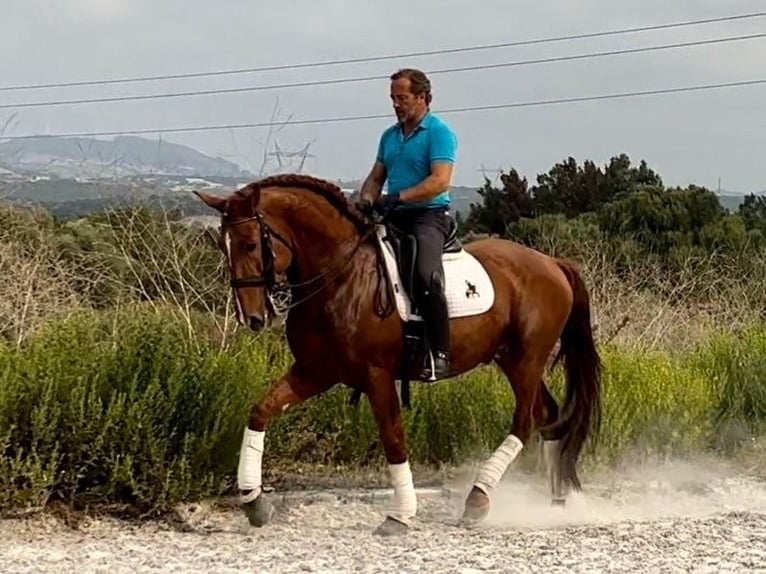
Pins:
<point x="388" y="202"/>
<point x="364" y="204"/>
<point x="373" y="183"/>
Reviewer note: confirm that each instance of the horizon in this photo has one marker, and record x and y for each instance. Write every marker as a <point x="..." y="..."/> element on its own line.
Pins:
<point x="722" y="190"/>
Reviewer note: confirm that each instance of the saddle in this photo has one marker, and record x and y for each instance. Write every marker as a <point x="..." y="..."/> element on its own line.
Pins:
<point x="468" y="289"/>
<point x="405" y="249"/>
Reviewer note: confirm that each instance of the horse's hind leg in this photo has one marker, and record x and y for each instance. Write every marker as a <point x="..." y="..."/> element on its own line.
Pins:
<point x="524" y="372"/>
<point x="546" y="412"/>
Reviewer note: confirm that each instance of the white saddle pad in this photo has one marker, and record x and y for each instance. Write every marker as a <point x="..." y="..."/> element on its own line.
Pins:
<point x="468" y="287"/>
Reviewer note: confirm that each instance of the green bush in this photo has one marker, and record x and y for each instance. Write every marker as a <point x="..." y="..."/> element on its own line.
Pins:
<point x="131" y="406"/>
<point x="652" y="405"/>
<point x="123" y="406"/>
<point x="735" y="365"/>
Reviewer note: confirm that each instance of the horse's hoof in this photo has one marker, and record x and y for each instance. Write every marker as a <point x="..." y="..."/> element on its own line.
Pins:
<point x="560" y="502"/>
<point x="476" y="507"/>
<point x="391" y="527"/>
<point x="259" y="511"/>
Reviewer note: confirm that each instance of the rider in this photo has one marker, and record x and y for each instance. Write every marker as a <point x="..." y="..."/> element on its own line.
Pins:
<point x="416" y="155"/>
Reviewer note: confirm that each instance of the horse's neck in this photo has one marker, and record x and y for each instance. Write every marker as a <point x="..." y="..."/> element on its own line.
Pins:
<point x="339" y="267"/>
<point x="324" y="240"/>
<point x="330" y="258"/>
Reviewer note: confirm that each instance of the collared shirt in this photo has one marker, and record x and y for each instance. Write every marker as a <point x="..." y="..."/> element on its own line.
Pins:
<point x="408" y="160"/>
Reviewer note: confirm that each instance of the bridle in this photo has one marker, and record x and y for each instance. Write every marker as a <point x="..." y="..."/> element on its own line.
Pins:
<point x="268" y="278"/>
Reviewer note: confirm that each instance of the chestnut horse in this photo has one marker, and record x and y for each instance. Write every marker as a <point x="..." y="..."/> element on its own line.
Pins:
<point x="342" y="328"/>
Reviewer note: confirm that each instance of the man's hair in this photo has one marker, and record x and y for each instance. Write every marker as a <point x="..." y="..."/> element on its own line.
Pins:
<point x="419" y="82"/>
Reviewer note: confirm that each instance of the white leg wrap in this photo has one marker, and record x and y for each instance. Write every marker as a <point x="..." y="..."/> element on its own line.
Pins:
<point x="495" y="466"/>
<point x="405" y="504"/>
<point x="250" y="456"/>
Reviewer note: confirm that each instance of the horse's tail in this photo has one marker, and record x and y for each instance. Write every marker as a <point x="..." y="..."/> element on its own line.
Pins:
<point x="581" y="412"/>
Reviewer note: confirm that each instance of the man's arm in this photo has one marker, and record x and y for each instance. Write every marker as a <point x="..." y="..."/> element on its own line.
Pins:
<point x="436" y="183"/>
<point x="442" y="155"/>
<point x="373" y="184"/>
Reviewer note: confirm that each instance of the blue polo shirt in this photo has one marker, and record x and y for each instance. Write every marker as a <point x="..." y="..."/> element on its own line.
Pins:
<point x="408" y="160"/>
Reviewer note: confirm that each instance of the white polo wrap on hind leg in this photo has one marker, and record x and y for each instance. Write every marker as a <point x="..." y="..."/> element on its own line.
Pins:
<point x="405" y="503"/>
<point x="250" y="457"/>
<point x="495" y="466"/>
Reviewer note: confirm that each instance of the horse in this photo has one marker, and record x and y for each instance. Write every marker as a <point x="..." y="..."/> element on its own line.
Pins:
<point x="350" y="320"/>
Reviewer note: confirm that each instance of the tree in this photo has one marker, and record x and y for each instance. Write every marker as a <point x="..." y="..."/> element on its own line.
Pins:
<point x="661" y="219"/>
<point x="753" y="212"/>
<point x="572" y="190"/>
<point x="561" y="190"/>
<point x="621" y="178"/>
<point x="501" y="206"/>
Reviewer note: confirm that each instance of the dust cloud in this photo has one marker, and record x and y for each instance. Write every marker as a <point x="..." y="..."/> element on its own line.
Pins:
<point x="638" y="491"/>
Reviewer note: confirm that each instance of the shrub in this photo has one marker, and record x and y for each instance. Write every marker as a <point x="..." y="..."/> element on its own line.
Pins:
<point x="130" y="406"/>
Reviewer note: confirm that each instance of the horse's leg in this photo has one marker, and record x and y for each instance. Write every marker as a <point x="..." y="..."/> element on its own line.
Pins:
<point x="384" y="403"/>
<point x="546" y="412"/>
<point x="524" y="373"/>
<point x="293" y="388"/>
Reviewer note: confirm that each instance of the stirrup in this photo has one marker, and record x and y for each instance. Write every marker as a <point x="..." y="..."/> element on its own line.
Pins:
<point x="428" y="373"/>
<point x="429" y="369"/>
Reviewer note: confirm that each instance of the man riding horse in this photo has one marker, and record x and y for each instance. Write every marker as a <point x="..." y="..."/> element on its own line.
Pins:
<point x="416" y="156"/>
<point x="302" y="231"/>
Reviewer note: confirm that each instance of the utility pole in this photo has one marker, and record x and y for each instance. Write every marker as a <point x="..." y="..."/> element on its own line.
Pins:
<point x="281" y="154"/>
<point x="498" y="172"/>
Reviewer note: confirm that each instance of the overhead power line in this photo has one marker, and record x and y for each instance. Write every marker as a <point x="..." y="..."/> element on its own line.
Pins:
<point x="489" y="107"/>
<point x="358" y="60"/>
<point x="349" y="80"/>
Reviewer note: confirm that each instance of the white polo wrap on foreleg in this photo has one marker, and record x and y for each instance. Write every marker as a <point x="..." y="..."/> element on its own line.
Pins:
<point x="250" y="457"/>
<point x="405" y="504"/>
<point x="495" y="466"/>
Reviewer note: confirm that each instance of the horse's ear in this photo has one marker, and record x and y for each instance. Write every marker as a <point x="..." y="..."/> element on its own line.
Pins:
<point x="214" y="201"/>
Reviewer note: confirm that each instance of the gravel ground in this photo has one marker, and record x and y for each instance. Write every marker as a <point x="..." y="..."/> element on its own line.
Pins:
<point x="675" y="518"/>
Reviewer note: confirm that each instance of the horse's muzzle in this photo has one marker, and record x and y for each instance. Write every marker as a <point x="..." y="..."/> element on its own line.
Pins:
<point x="256" y="323"/>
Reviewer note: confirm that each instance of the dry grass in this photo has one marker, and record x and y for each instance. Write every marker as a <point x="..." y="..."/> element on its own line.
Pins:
<point x="171" y="266"/>
<point x="136" y="255"/>
<point x="35" y="285"/>
<point x="648" y="309"/>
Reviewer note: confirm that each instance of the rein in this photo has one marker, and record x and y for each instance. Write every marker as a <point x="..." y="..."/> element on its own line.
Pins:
<point x="268" y="279"/>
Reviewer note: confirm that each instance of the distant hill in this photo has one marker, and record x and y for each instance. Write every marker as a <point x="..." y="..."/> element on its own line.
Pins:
<point x="462" y="196"/>
<point x="732" y="201"/>
<point x="121" y="157"/>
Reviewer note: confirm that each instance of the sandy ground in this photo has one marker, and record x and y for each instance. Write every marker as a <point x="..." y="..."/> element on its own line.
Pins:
<point x="679" y="517"/>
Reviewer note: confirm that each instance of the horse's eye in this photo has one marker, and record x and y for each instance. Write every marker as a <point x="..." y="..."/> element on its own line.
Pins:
<point x="250" y="246"/>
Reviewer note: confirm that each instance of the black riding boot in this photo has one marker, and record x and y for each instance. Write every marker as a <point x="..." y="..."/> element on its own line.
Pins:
<point x="435" y="315"/>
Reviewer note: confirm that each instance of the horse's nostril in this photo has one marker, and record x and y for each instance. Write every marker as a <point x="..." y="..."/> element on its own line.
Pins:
<point x="256" y="323"/>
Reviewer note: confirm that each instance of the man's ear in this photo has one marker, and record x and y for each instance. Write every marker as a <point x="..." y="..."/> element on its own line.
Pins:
<point x="214" y="201"/>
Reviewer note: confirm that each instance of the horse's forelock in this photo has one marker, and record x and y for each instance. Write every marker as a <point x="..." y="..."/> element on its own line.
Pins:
<point x="241" y="204"/>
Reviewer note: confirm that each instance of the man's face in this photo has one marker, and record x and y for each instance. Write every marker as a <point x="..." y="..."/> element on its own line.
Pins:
<point x="407" y="106"/>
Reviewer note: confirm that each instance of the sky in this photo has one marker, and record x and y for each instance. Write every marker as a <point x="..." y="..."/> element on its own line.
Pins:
<point x="689" y="138"/>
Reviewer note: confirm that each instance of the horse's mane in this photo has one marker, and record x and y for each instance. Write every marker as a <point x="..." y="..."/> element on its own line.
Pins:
<point x="328" y="190"/>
